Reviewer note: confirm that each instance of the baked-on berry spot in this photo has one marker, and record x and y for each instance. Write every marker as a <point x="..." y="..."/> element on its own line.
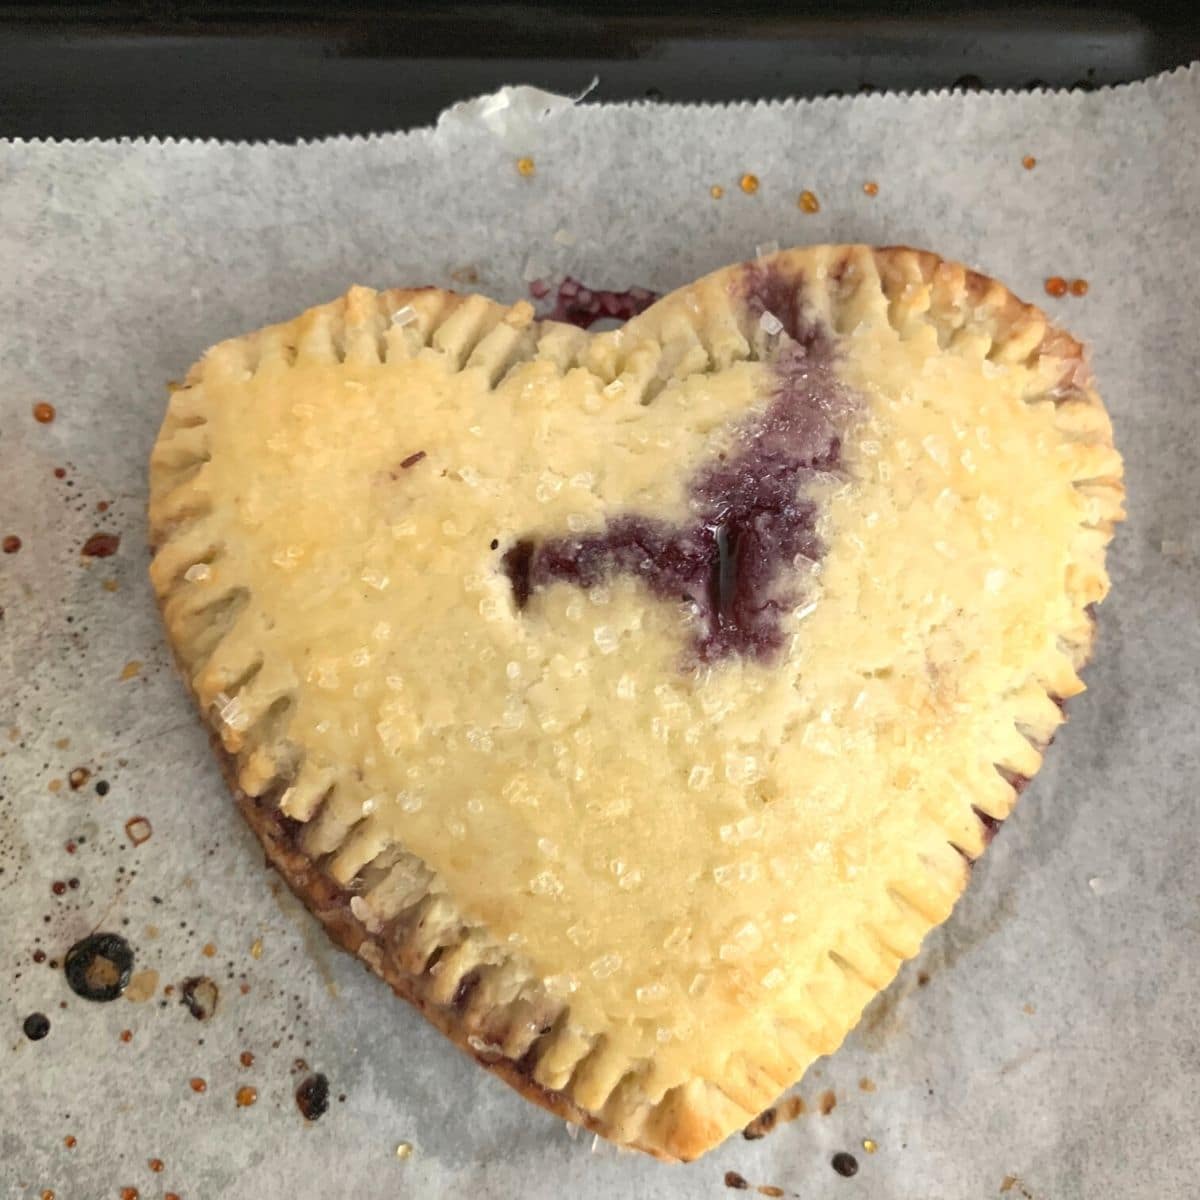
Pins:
<point x="752" y="520"/>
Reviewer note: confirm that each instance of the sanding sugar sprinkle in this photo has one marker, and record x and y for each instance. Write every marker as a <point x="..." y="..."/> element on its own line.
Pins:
<point x="770" y="324"/>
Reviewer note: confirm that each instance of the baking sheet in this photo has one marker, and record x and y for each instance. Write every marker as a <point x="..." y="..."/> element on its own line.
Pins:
<point x="1045" y="1043"/>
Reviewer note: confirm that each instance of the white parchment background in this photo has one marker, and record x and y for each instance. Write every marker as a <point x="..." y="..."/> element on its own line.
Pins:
<point x="1056" y="1037"/>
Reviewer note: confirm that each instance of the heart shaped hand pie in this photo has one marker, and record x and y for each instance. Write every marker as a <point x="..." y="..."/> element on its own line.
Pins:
<point x="634" y="703"/>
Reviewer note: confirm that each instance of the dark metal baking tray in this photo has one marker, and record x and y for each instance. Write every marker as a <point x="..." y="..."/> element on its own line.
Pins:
<point x="293" y="70"/>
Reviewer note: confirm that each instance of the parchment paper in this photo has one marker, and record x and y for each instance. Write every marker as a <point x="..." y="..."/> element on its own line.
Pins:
<point x="1046" y="1041"/>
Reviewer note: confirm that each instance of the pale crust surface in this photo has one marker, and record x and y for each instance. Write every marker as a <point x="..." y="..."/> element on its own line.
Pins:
<point x="647" y="891"/>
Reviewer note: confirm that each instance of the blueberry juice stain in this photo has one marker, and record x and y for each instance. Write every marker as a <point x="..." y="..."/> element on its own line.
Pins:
<point x="751" y="520"/>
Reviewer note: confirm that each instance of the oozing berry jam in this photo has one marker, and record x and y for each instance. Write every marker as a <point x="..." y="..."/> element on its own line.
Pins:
<point x="577" y="304"/>
<point x="751" y="519"/>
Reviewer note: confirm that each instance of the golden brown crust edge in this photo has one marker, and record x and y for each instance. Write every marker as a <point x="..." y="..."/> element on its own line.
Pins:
<point x="686" y="1131"/>
<point x="329" y="904"/>
<point x="685" y="1134"/>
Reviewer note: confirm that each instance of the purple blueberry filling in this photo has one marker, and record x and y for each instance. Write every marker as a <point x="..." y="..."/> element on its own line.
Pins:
<point x="577" y="304"/>
<point x="751" y="520"/>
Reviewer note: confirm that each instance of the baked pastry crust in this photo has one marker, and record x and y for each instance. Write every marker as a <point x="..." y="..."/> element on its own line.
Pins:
<point x="936" y="382"/>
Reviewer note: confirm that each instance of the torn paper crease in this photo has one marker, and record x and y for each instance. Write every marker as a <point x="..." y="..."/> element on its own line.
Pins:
<point x="516" y="117"/>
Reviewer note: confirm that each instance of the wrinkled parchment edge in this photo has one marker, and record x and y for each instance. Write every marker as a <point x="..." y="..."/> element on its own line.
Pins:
<point x="555" y="104"/>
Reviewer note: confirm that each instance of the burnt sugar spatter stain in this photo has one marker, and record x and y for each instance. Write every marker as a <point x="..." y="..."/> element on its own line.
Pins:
<point x="312" y="1097"/>
<point x="751" y="518"/>
<point x="36" y="1026"/>
<point x="199" y="995"/>
<point x="786" y="1110"/>
<point x="138" y="830"/>
<point x="844" y="1164"/>
<point x="761" y="1125"/>
<point x="98" y="966"/>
